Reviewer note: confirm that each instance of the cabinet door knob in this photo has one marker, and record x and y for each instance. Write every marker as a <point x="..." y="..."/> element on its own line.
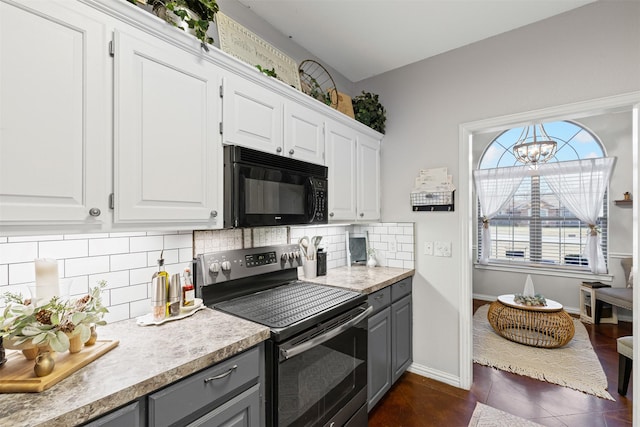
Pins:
<point x="94" y="212"/>
<point x="279" y="150"/>
<point x="361" y="214"/>
<point x="331" y="214"/>
<point x="214" y="214"/>
<point x="291" y="151"/>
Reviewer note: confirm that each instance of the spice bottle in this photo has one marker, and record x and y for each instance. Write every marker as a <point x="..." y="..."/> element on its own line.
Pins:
<point x="188" y="291"/>
<point x="159" y="297"/>
<point x="162" y="272"/>
<point x="175" y="292"/>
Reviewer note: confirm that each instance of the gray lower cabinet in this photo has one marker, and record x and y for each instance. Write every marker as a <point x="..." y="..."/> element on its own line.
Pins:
<point x="227" y="394"/>
<point x="129" y="415"/>
<point x="390" y="339"/>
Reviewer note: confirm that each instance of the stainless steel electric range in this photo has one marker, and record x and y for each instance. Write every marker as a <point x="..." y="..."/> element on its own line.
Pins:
<point x="316" y="357"/>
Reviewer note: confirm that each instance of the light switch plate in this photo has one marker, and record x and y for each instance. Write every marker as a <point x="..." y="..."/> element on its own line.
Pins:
<point x="428" y="248"/>
<point x="393" y="246"/>
<point x="442" y="249"/>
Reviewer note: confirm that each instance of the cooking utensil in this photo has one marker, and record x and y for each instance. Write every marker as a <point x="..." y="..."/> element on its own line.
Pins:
<point x="304" y="245"/>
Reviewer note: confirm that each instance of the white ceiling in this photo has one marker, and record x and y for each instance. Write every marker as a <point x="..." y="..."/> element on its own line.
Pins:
<point x="364" y="38"/>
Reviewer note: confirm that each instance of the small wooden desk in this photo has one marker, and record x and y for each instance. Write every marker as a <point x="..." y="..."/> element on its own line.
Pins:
<point x="538" y="326"/>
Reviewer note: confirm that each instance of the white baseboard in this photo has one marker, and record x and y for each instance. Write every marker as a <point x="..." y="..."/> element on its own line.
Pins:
<point x="434" y="374"/>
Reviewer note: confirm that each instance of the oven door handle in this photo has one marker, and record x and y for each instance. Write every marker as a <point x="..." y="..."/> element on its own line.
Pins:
<point x="315" y="341"/>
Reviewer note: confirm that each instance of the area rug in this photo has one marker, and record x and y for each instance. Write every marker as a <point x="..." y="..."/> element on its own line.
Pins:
<point x="575" y="365"/>
<point x="486" y="416"/>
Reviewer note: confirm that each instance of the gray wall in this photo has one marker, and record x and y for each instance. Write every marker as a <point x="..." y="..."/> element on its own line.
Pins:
<point x="587" y="53"/>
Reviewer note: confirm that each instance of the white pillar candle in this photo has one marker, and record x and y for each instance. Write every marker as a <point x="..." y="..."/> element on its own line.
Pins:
<point x="46" y="279"/>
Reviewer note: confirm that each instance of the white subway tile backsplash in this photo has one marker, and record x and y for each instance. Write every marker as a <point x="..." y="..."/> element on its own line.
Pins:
<point x="23" y="272"/>
<point x="18" y="252"/>
<point x="114" y="279"/>
<point x="63" y="249"/>
<point x="141" y="275"/>
<point x="169" y="256"/>
<point x="87" y="265"/>
<point x="395" y="263"/>
<point x="140" y="307"/>
<point x="178" y="241"/>
<point x="185" y="254"/>
<point x="108" y="246"/>
<point x="117" y="312"/>
<point x="128" y="261"/>
<point x="128" y="294"/>
<point x="146" y="243"/>
<point x="78" y="286"/>
<point x="404" y="238"/>
<point x="406" y="247"/>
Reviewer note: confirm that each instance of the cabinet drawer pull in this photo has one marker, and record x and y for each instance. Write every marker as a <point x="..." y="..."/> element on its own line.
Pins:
<point x="279" y="150"/>
<point x="291" y="151"/>
<point x="378" y="297"/>
<point x="219" y="377"/>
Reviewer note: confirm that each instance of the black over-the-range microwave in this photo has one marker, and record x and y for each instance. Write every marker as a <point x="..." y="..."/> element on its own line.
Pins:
<point x="263" y="189"/>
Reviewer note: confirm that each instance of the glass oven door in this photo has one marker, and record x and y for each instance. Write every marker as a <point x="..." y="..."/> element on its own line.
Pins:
<point x="317" y="373"/>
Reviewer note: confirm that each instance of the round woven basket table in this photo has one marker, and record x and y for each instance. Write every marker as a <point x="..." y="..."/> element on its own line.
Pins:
<point x="538" y="326"/>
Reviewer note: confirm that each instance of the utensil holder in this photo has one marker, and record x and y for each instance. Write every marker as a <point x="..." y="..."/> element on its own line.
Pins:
<point x="310" y="268"/>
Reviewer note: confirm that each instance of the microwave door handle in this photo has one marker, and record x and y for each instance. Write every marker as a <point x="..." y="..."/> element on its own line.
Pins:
<point x="315" y="341"/>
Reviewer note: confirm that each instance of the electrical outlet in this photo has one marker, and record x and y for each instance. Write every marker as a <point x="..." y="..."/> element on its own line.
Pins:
<point x="442" y="249"/>
<point x="428" y="248"/>
<point x="393" y="246"/>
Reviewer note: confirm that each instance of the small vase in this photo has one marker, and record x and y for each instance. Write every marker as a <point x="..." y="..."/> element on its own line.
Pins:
<point x="45" y="363"/>
<point x="371" y="262"/>
<point x="94" y="336"/>
<point x="75" y="343"/>
<point x="30" y="353"/>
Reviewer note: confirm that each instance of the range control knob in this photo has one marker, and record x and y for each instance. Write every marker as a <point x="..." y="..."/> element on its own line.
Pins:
<point x="226" y="266"/>
<point x="293" y="255"/>
<point x="214" y="267"/>
<point x="284" y="256"/>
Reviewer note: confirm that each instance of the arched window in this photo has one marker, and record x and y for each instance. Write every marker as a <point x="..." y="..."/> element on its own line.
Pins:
<point x="534" y="227"/>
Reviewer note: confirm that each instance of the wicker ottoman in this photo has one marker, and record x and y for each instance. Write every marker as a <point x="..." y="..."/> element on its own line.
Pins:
<point x="548" y="327"/>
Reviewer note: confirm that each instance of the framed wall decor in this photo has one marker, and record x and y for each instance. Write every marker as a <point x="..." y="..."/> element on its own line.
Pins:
<point x="241" y="43"/>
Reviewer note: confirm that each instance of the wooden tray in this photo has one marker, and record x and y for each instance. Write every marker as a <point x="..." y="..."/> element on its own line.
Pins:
<point x="17" y="376"/>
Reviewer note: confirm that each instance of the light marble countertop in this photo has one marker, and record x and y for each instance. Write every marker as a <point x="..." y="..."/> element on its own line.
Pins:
<point x="146" y="359"/>
<point x="361" y="278"/>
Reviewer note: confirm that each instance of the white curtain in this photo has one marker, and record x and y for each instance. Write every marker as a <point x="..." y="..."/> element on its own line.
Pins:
<point x="580" y="185"/>
<point x="495" y="188"/>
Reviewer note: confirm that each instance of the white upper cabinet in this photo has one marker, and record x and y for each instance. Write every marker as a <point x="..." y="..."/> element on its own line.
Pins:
<point x="304" y="133"/>
<point x="54" y="91"/>
<point x="341" y="161"/>
<point x="353" y="159"/>
<point x="167" y="146"/>
<point x="252" y="115"/>
<point x="368" y="155"/>
<point x="255" y="116"/>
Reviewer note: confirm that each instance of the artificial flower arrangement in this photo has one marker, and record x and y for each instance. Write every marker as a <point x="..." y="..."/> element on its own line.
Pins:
<point x="25" y="325"/>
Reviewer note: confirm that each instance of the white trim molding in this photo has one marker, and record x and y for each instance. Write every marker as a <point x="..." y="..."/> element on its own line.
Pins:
<point x="435" y="374"/>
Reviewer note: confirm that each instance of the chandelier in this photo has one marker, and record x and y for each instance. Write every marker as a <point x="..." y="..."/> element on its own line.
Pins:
<point x="535" y="148"/>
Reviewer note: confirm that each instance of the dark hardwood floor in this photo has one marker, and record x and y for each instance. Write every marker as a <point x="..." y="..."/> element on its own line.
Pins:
<point x="416" y="401"/>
